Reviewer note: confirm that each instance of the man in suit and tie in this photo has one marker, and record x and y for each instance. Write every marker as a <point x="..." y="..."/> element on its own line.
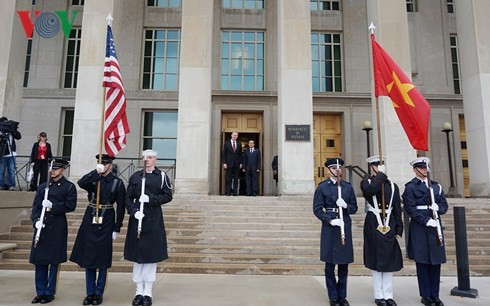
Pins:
<point x="251" y="167"/>
<point x="232" y="162"/>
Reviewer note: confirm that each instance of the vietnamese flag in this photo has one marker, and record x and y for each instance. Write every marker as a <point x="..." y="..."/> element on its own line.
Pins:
<point x="410" y="106"/>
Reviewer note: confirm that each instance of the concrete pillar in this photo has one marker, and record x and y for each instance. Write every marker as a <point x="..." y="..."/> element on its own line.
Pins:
<point x="474" y="46"/>
<point x="390" y="19"/>
<point x="194" y="118"/>
<point x="12" y="58"/>
<point x="89" y="94"/>
<point x="295" y="99"/>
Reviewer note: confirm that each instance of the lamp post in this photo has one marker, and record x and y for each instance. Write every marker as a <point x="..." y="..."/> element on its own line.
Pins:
<point x="368" y="127"/>
<point x="447" y="128"/>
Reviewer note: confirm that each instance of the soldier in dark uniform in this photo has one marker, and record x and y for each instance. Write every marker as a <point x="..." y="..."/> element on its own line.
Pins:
<point x="52" y="246"/>
<point x="151" y="247"/>
<point x="93" y="246"/>
<point x="326" y="205"/>
<point x="423" y="246"/>
<point x="382" y="253"/>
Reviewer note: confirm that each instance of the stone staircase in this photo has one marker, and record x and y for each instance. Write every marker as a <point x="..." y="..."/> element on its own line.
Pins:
<point x="262" y="235"/>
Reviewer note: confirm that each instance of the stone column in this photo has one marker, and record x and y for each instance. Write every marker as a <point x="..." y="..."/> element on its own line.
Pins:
<point x="12" y="58"/>
<point x="194" y="119"/>
<point x="390" y="19"/>
<point x="474" y="47"/>
<point x="295" y="99"/>
<point x="89" y="94"/>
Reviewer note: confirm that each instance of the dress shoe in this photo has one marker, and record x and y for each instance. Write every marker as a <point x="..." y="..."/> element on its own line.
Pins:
<point x="138" y="300"/>
<point x="254" y="194"/>
<point x="37" y="299"/>
<point x="235" y="194"/>
<point x="334" y="303"/>
<point x="380" y="302"/>
<point x="427" y="301"/>
<point x="98" y="299"/>
<point x="343" y="302"/>
<point x="248" y="195"/>
<point x="228" y="194"/>
<point x="88" y="300"/>
<point x="437" y="301"/>
<point x="147" y="301"/>
<point x="47" y="299"/>
<point x="390" y="302"/>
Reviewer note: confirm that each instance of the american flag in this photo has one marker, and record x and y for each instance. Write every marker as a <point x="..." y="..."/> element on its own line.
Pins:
<point x="116" y="123"/>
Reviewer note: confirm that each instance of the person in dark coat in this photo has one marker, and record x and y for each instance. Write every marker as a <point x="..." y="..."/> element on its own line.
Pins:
<point x="93" y="245"/>
<point x="423" y="242"/>
<point x="382" y="253"/>
<point x="232" y="163"/>
<point x="51" y="250"/>
<point x="41" y="155"/>
<point x="326" y="206"/>
<point x="151" y="247"/>
<point x="275" y="170"/>
<point x="251" y="167"/>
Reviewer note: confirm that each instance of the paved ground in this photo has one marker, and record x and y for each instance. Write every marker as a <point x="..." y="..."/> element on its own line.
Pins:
<point x="17" y="288"/>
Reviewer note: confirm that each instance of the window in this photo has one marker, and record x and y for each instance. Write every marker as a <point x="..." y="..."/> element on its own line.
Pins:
<point x="242" y="60"/>
<point x="411" y="6"/>
<point x="450" y="6"/>
<point x="326" y="62"/>
<point x="77" y="2"/>
<point x="161" y="59"/>
<point x="164" y="3"/>
<point x="67" y="115"/>
<point x="28" y="62"/>
<point x="72" y="58"/>
<point x="325" y="5"/>
<point x="243" y="4"/>
<point x="453" y="39"/>
<point x="160" y="133"/>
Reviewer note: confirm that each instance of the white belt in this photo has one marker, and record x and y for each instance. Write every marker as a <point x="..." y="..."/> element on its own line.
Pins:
<point x="422" y="207"/>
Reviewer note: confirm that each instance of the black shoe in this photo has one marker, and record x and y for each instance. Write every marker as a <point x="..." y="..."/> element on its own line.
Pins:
<point x="390" y="302"/>
<point x="427" y="301"/>
<point x="147" y="301"/>
<point x="437" y="301"/>
<point x="228" y="194"/>
<point x="334" y="303"/>
<point x="248" y="195"/>
<point x="343" y="302"/>
<point x="88" y="300"/>
<point x="98" y="299"/>
<point x="37" y="299"/>
<point x="138" y="300"/>
<point x="254" y="194"/>
<point x="47" y="299"/>
<point x="235" y="194"/>
<point x="380" y="302"/>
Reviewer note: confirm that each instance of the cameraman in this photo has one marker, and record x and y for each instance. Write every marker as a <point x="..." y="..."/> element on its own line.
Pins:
<point x="8" y="135"/>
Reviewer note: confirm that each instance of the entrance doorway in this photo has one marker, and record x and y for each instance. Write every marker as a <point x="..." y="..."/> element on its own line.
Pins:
<point x="326" y="143"/>
<point x="249" y="127"/>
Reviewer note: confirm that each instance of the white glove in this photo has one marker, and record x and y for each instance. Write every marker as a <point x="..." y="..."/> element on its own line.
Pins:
<point x="139" y="215"/>
<point x="114" y="235"/>
<point x="382" y="168"/>
<point x="47" y="204"/>
<point x="39" y="224"/>
<point x="100" y="168"/>
<point x="144" y="198"/>
<point x="337" y="222"/>
<point x="341" y="203"/>
<point x="434" y="207"/>
<point x="431" y="223"/>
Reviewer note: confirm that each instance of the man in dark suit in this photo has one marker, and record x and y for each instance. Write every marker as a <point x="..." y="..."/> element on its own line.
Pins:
<point x="251" y="167"/>
<point x="232" y="162"/>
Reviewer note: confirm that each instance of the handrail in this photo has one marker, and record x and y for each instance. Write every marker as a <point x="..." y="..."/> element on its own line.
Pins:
<point x="354" y="169"/>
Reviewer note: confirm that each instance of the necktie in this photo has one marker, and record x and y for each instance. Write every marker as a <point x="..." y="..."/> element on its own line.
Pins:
<point x="234" y="146"/>
<point x="251" y="151"/>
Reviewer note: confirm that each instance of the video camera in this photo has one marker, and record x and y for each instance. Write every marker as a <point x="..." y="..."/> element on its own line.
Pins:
<point x="8" y="127"/>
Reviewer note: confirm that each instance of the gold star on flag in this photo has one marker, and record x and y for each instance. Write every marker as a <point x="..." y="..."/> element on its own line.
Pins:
<point x="404" y="89"/>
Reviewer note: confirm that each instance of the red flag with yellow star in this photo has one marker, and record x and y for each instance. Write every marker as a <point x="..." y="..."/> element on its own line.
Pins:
<point x="410" y="106"/>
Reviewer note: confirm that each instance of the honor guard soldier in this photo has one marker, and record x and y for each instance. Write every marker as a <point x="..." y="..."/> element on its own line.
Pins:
<point x="100" y="226"/>
<point x="333" y="203"/>
<point x="53" y="200"/>
<point x="424" y="201"/>
<point x="382" y="225"/>
<point x="146" y="241"/>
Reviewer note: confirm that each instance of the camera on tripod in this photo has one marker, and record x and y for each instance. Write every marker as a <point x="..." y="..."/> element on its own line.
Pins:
<point x="7" y="128"/>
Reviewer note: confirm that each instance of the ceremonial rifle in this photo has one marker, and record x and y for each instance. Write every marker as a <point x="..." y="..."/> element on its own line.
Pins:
<point x="40" y="224"/>
<point x="341" y="212"/>
<point x="142" y="204"/>
<point x="435" y="215"/>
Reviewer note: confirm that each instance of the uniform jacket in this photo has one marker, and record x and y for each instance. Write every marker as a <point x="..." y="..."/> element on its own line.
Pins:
<point x="251" y="161"/>
<point x="151" y="247"/>
<point x="382" y="252"/>
<point x="52" y="245"/>
<point x="422" y="240"/>
<point x="93" y="245"/>
<point x="230" y="158"/>
<point x="326" y="195"/>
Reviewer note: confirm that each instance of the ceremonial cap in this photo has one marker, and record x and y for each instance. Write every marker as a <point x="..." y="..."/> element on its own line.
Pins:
<point x="106" y="159"/>
<point x="373" y="160"/>
<point x="332" y="162"/>
<point x="149" y="153"/>
<point x="420" y="162"/>
<point x="59" y="163"/>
